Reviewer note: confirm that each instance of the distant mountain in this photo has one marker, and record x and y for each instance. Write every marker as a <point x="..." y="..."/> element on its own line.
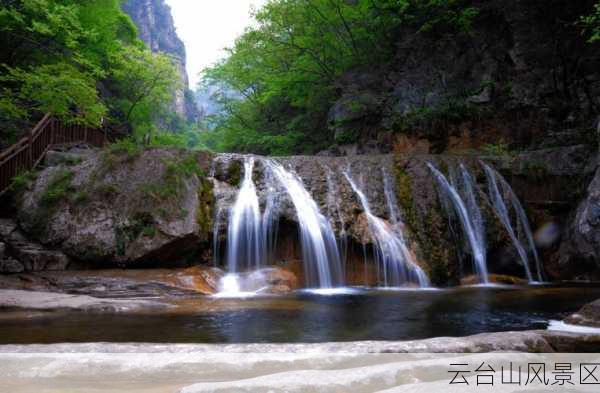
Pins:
<point x="156" y="28"/>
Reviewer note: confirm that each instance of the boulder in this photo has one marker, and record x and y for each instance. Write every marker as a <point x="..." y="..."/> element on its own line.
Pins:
<point x="27" y="255"/>
<point x="589" y="315"/>
<point x="123" y="206"/>
<point x="9" y="265"/>
<point x="580" y="249"/>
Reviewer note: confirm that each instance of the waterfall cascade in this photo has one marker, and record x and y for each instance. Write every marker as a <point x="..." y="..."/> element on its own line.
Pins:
<point x="496" y="196"/>
<point x="320" y="254"/>
<point x="244" y="234"/>
<point x="469" y="218"/>
<point x="253" y="225"/>
<point x="396" y="264"/>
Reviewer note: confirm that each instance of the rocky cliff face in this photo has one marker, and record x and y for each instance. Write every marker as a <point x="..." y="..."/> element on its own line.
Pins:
<point x="157" y="29"/>
<point x="524" y="75"/>
<point x="164" y="207"/>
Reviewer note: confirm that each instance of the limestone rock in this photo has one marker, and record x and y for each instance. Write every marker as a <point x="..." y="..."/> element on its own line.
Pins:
<point x="580" y="248"/>
<point x="27" y="255"/>
<point x="119" y="208"/>
<point x="10" y="265"/>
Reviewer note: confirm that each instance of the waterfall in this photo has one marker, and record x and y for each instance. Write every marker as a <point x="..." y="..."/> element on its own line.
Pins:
<point x="335" y="210"/>
<point x="215" y="245"/>
<point x="393" y="258"/>
<point x="270" y="221"/>
<point x="501" y="209"/>
<point x="244" y="233"/>
<point x="469" y="193"/>
<point x="390" y="197"/>
<point x="468" y="221"/>
<point x="320" y="253"/>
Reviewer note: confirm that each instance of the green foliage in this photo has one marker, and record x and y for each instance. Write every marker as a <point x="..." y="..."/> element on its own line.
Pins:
<point x="347" y="136"/>
<point x="59" y="187"/>
<point x="285" y="69"/>
<point x="82" y="62"/>
<point x="427" y="118"/>
<point x="142" y="223"/>
<point x="23" y="182"/>
<point x="496" y="149"/>
<point x="176" y="172"/>
<point x="592" y="24"/>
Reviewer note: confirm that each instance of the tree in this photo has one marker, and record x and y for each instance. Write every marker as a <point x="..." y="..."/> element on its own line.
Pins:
<point x="286" y="68"/>
<point x="80" y="61"/>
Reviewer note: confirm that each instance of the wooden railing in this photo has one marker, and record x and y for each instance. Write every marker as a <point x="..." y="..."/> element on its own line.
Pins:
<point x="27" y="153"/>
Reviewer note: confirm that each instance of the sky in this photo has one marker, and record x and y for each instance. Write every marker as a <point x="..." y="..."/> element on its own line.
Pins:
<point x="208" y="26"/>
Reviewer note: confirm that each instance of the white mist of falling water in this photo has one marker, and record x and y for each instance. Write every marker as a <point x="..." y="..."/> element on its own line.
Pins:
<point x="467" y="223"/>
<point x="320" y="253"/>
<point x="244" y="243"/>
<point x="334" y="210"/>
<point x="501" y="209"/>
<point x="472" y="206"/>
<point x="390" y="197"/>
<point x="393" y="257"/>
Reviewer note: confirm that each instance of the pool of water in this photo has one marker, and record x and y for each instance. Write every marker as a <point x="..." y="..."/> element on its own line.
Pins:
<point x="310" y="317"/>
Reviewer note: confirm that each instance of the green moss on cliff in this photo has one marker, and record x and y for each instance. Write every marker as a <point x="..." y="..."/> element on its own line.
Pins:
<point x="176" y="172"/>
<point x="429" y="231"/>
<point x="204" y="215"/>
<point x="58" y="188"/>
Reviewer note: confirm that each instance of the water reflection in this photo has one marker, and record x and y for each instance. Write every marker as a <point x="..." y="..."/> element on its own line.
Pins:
<point x="308" y="317"/>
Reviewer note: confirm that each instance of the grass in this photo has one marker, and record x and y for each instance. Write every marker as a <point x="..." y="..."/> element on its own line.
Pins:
<point x="58" y="188"/>
<point x="23" y="182"/>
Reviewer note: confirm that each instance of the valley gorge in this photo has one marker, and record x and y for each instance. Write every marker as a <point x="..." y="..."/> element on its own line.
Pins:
<point x="356" y="196"/>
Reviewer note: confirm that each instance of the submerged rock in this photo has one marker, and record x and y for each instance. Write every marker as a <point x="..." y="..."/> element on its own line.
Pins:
<point x="589" y="315"/>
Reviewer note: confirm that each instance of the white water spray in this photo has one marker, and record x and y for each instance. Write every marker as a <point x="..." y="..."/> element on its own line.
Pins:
<point x="320" y="253"/>
<point x="396" y="264"/>
<point x="468" y="223"/>
<point x="501" y="209"/>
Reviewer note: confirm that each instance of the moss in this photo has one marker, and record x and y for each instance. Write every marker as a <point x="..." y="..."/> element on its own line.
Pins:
<point x="23" y="182"/>
<point x="234" y="173"/>
<point x="347" y="136"/>
<point x="59" y="187"/>
<point x="80" y="197"/>
<point x="122" y="151"/>
<point x="430" y="233"/>
<point x="173" y="181"/>
<point x="204" y="216"/>
<point x="106" y="191"/>
<point x="142" y="223"/>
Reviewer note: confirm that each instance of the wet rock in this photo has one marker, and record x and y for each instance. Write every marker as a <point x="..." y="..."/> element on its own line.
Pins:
<point x="580" y="248"/>
<point x="2" y="250"/>
<point x="50" y="301"/>
<point x="495" y="279"/>
<point x="28" y="255"/>
<point x="121" y="207"/>
<point x="589" y="315"/>
<point x="10" y="265"/>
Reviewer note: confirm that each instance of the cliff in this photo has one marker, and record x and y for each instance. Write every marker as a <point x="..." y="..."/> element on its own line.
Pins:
<point x="524" y="74"/>
<point x="156" y="28"/>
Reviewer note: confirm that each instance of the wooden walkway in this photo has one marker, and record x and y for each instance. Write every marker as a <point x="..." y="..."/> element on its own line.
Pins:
<point x="27" y="153"/>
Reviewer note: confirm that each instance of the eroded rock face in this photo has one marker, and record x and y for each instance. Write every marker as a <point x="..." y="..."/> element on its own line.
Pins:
<point x="580" y="249"/>
<point x="462" y="91"/>
<point x="152" y="206"/>
<point x="18" y="253"/>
